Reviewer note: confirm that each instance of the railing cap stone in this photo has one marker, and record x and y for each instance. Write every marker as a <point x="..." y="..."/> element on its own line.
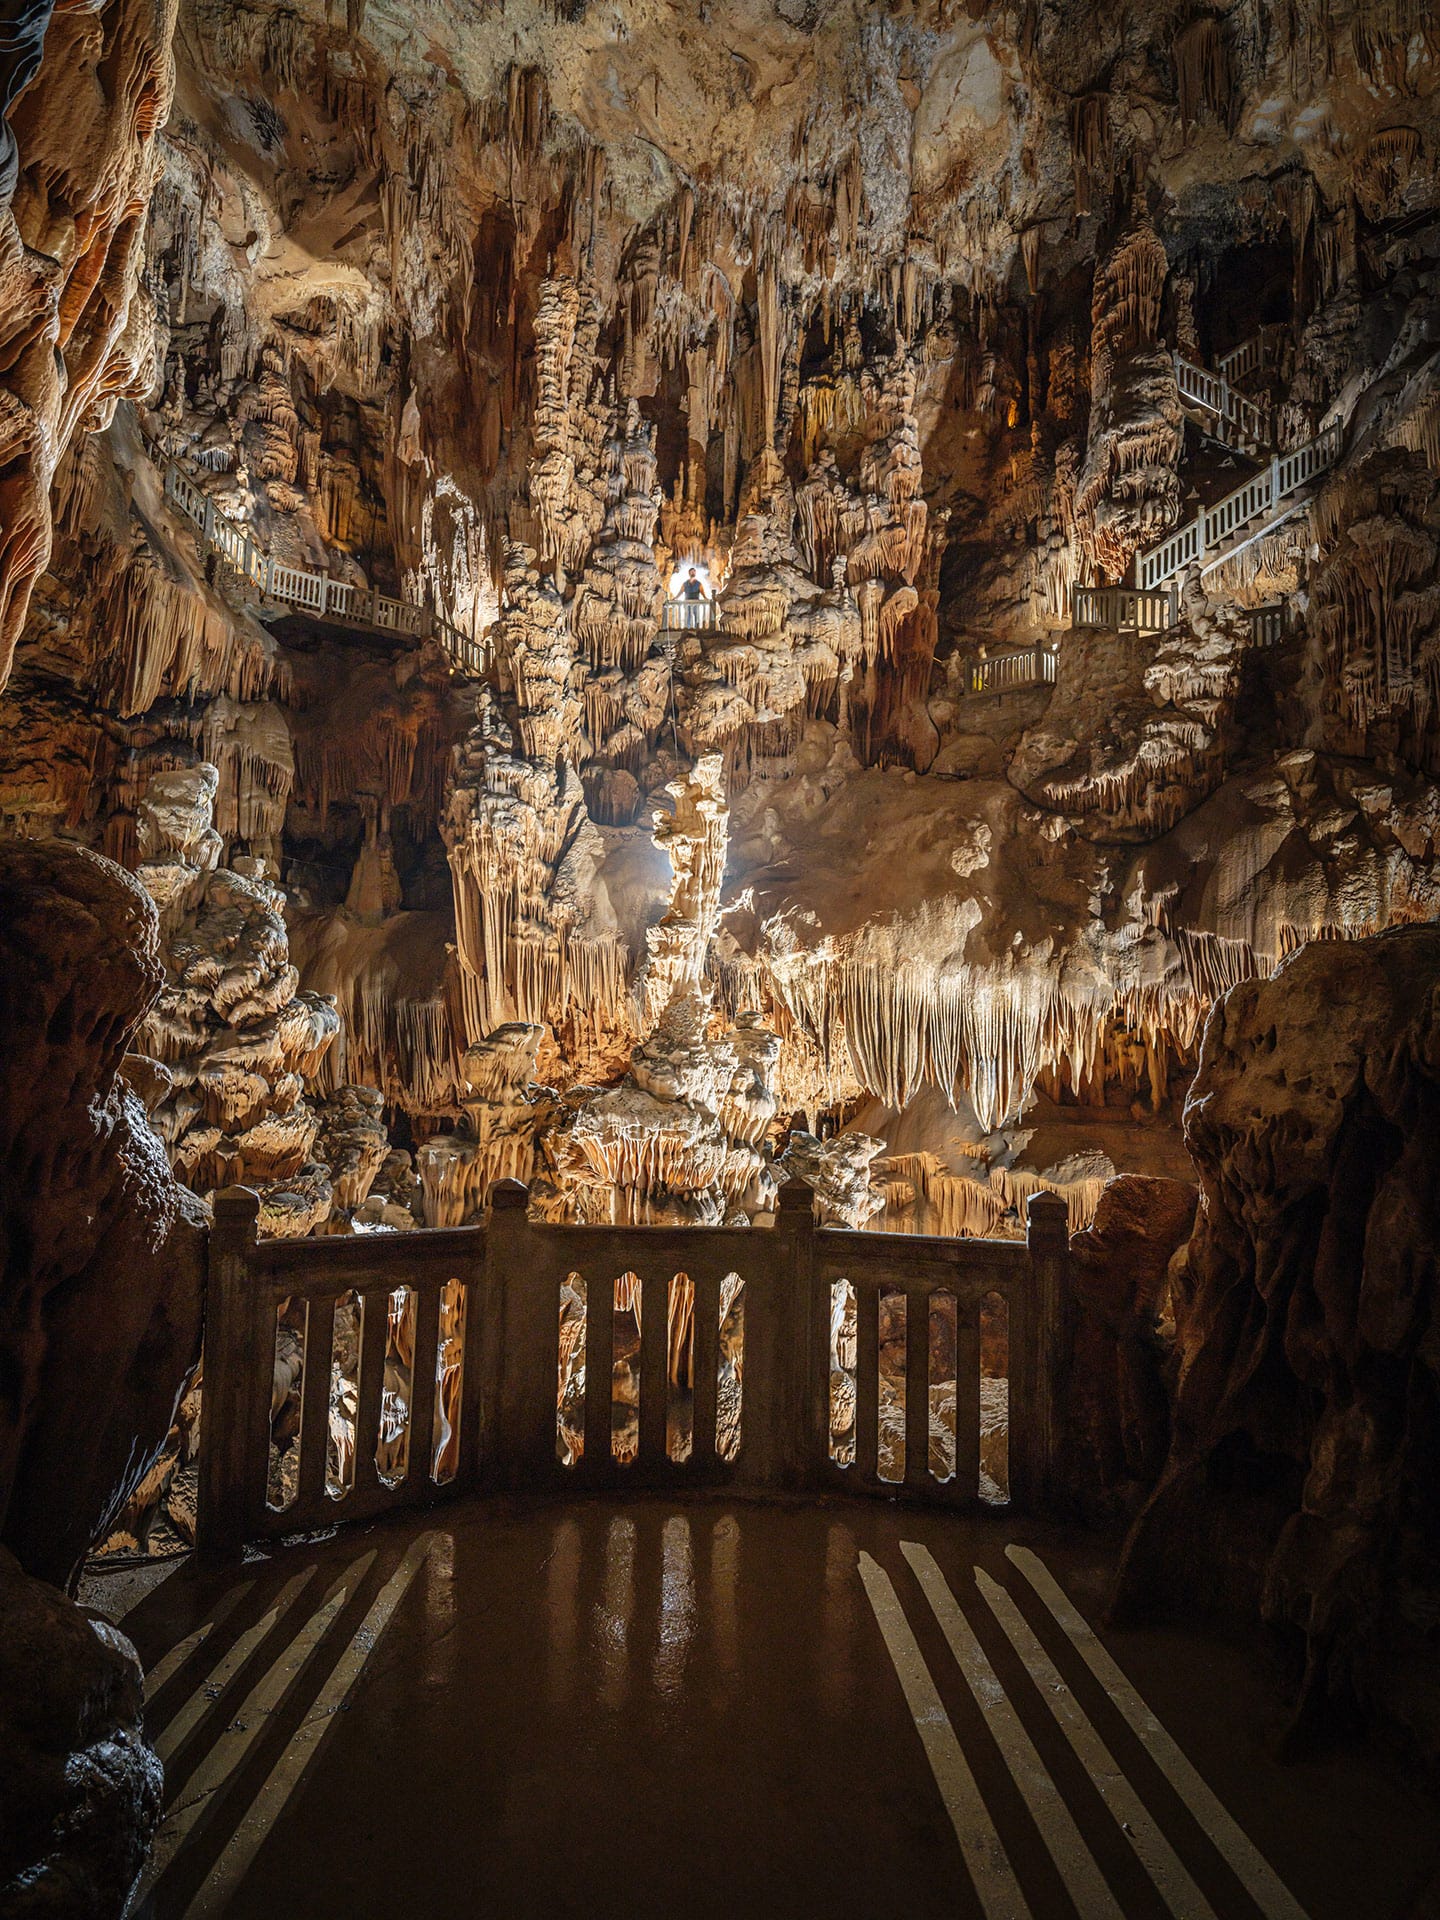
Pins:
<point x="797" y="1196"/>
<point x="1048" y="1212"/>
<point x="507" y="1196"/>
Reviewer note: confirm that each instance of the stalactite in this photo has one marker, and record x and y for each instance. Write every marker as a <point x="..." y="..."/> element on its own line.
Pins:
<point x="1202" y="66"/>
<point x="1091" y="144"/>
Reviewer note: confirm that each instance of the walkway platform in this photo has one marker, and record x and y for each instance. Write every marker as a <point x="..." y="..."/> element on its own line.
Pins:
<point x="613" y="1708"/>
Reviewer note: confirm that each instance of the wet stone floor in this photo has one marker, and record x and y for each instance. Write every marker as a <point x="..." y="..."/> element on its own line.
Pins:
<point x="626" y="1709"/>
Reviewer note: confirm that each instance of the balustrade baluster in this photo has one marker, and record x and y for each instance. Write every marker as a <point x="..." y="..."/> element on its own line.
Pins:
<point x="599" y="1367"/>
<point x="706" y="1365"/>
<point x="315" y="1403"/>
<point x="917" y="1386"/>
<point x="374" y="1336"/>
<point x="867" y="1378"/>
<point x="654" y="1352"/>
<point x="422" y="1386"/>
<point x="967" y="1393"/>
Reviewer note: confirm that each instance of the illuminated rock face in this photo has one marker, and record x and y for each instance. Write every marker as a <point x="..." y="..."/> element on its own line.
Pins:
<point x="426" y="363"/>
<point x="238" y="1039"/>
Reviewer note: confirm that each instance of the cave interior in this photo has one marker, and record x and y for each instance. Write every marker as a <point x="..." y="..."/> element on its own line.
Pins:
<point x="743" y="700"/>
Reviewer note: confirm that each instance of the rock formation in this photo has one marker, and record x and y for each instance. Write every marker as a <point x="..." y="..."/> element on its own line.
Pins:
<point x="81" y="1787"/>
<point x="105" y="1250"/>
<point x="237" y="1040"/>
<point x="1299" y="1484"/>
<point x="440" y="373"/>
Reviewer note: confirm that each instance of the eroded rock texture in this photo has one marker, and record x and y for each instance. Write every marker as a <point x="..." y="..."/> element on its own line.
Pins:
<point x="80" y="1787"/>
<point x="104" y="1250"/>
<point x="1116" y="1400"/>
<point x="1300" y="1483"/>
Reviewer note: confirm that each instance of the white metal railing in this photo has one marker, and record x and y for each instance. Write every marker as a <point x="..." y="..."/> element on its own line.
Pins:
<point x="1270" y="625"/>
<point x="1240" y="421"/>
<point x="1204" y="539"/>
<point x="313" y="593"/>
<point x="682" y="615"/>
<point x="1260" y="350"/>
<point x="1011" y="672"/>
<point x="1125" y="609"/>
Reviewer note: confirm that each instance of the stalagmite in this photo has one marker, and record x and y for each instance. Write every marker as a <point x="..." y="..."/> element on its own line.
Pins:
<point x="238" y="1040"/>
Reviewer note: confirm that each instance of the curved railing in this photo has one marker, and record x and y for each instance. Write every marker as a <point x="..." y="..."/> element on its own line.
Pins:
<point x="313" y="593"/>
<point x="1014" y="672"/>
<point x="1125" y="609"/>
<point x="689" y="616"/>
<point x="495" y="1355"/>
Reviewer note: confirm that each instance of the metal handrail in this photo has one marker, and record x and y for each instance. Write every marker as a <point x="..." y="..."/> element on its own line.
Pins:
<point x="1014" y="672"/>
<point x="313" y="593"/>
<point x="690" y="616"/>
<point x="1261" y="495"/>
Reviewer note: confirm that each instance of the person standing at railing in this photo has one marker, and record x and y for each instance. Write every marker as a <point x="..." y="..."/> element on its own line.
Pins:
<point x="694" y="599"/>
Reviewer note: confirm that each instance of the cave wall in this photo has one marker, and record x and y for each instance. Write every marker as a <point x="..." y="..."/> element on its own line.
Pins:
<point x="100" y="1314"/>
<point x="1299" y="1484"/>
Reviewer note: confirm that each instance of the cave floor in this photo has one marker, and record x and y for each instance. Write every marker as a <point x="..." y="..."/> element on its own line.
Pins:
<point x="656" y="1707"/>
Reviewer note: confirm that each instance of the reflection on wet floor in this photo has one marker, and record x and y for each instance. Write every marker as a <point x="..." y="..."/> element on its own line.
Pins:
<point x="562" y="1606"/>
<point x="839" y="1616"/>
<point x="677" y="1604"/>
<point x="880" y="1710"/>
<point x="610" y="1628"/>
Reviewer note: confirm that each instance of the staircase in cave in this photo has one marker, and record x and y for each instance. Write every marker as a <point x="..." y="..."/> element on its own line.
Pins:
<point x="276" y="585"/>
<point x="1247" y="514"/>
<point x="1271" y="496"/>
<point x="1280" y="489"/>
<point x="1221" y="410"/>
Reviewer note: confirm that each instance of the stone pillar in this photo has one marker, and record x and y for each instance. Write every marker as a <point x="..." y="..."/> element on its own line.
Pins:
<point x="1048" y="1238"/>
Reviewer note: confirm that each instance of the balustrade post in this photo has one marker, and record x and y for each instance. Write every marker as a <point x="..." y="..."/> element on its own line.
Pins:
<point x="1274" y="479"/>
<point x="235" y="1397"/>
<point x="517" y="1348"/>
<point x="1048" y="1239"/>
<point x="324" y="580"/>
<point x="796" y="1409"/>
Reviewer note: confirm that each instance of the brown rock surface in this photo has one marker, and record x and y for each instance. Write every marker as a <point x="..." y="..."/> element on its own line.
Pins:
<point x="1119" y="1421"/>
<point x="1302" y="1474"/>
<point x="79" y="1785"/>
<point x="104" y="1251"/>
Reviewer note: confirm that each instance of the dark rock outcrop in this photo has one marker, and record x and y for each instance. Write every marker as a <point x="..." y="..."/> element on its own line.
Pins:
<point x="1118" y="1418"/>
<point x="79" y="1787"/>
<point x="100" y="1307"/>
<point x="1301" y="1480"/>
